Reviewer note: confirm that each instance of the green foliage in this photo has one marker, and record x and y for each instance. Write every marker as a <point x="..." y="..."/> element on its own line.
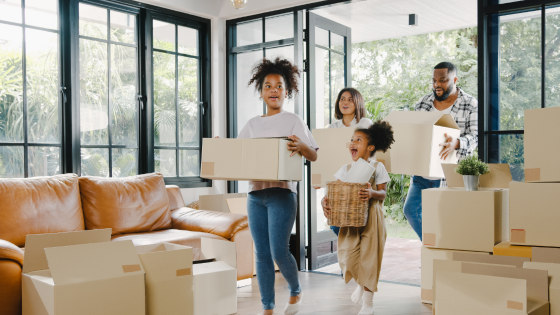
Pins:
<point x="471" y="165"/>
<point x="397" y="190"/>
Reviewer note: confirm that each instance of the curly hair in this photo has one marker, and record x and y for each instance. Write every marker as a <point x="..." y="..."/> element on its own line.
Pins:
<point x="380" y="134"/>
<point x="279" y="66"/>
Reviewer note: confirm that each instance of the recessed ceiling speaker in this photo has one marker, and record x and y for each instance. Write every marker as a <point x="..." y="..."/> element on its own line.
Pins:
<point x="413" y="19"/>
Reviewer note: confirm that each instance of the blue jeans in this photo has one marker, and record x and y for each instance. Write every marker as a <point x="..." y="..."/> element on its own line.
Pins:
<point x="335" y="229"/>
<point x="413" y="203"/>
<point x="272" y="213"/>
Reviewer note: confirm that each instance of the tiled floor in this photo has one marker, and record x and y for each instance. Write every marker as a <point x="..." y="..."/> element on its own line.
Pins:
<point x="401" y="261"/>
<point x="329" y="295"/>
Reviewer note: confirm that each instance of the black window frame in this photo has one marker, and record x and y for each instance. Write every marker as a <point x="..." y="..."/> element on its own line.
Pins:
<point x="488" y="69"/>
<point x="69" y="115"/>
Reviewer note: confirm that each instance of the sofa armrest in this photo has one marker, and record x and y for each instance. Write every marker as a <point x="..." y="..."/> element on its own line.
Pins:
<point x="175" y="198"/>
<point x="9" y="251"/>
<point x="222" y="224"/>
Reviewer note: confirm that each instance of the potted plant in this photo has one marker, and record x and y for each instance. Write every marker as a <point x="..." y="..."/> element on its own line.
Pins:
<point x="471" y="168"/>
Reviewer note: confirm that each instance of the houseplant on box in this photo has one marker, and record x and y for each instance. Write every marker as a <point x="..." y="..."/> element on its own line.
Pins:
<point x="471" y="168"/>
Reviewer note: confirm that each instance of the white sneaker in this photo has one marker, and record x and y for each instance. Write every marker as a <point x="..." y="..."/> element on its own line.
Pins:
<point x="357" y="295"/>
<point x="367" y="304"/>
<point x="292" y="309"/>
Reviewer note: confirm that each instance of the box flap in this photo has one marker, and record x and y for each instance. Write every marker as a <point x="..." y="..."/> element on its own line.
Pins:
<point x="421" y="118"/>
<point x="34" y="255"/>
<point x="90" y="262"/>
<point x="537" y="280"/>
<point x="165" y="261"/>
<point x="490" y="259"/>
<point x="546" y="255"/>
<point x="553" y="272"/>
<point x="217" y="202"/>
<point x="220" y="250"/>
<point x="498" y="177"/>
<point x="237" y="205"/>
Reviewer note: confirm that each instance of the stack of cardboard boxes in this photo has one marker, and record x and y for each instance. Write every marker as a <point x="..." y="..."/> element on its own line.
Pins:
<point x="85" y="273"/>
<point x="519" y="274"/>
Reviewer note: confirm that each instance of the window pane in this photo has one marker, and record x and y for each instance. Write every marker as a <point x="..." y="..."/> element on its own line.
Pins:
<point x="189" y="165"/>
<point x="93" y="92"/>
<point x="11" y="162"/>
<point x="520" y="68"/>
<point x="44" y="161"/>
<point x="286" y="52"/>
<point x="188" y="41"/>
<point x="337" y="79"/>
<point x="123" y="27"/>
<point x="322" y="88"/>
<point x="164" y="99"/>
<point x="337" y="42"/>
<point x="165" y="162"/>
<point x="95" y="162"/>
<point x="509" y="150"/>
<point x="123" y="95"/>
<point x="93" y="21"/>
<point x="42" y="13"/>
<point x="42" y="86"/>
<point x="552" y="57"/>
<point x="188" y="102"/>
<point x="279" y="27"/>
<point x="249" y="33"/>
<point x="10" y="10"/>
<point x="124" y="162"/>
<point x="248" y="103"/>
<point x="164" y="35"/>
<point x="321" y="37"/>
<point x="11" y="82"/>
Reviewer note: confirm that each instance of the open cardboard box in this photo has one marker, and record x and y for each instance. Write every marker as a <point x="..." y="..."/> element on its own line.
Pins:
<point x="418" y="136"/>
<point x="428" y="255"/>
<point x="541" y="130"/>
<point x="453" y="218"/>
<point x="265" y="159"/>
<point x="169" y="279"/>
<point x="537" y="254"/>
<point x="81" y="273"/>
<point x="218" y="202"/>
<point x="534" y="214"/>
<point x="215" y="283"/>
<point x="554" y="283"/>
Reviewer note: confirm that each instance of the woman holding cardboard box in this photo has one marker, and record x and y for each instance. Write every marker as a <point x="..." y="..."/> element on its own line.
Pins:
<point x="360" y="249"/>
<point x="272" y="206"/>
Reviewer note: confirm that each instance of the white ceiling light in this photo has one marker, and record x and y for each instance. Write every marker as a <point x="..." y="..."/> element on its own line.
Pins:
<point x="238" y="4"/>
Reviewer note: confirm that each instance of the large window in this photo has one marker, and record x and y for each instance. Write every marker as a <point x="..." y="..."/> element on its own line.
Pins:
<point x="30" y="133"/>
<point x="523" y="72"/>
<point x="77" y="94"/>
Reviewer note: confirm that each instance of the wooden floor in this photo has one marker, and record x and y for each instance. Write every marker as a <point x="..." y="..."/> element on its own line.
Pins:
<point x="329" y="295"/>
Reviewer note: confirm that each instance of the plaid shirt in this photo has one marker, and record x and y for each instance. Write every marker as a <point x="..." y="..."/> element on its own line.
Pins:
<point x="465" y="113"/>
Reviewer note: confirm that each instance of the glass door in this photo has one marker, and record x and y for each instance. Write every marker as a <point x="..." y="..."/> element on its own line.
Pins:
<point x="329" y="70"/>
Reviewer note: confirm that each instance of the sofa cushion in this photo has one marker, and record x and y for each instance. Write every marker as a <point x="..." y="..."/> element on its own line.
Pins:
<point x="127" y="205"/>
<point x="39" y="205"/>
<point x="180" y="237"/>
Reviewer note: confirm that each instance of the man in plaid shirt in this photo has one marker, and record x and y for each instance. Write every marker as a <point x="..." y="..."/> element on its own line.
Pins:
<point x="446" y="98"/>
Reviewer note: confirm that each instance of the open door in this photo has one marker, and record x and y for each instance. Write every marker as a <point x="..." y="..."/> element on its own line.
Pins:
<point x="329" y="66"/>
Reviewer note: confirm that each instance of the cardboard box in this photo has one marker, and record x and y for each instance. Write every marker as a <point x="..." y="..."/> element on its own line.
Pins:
<point x="218" y="202"/>
<point x="453" y="218"/>
<point x="541" y="158"/>
<point x="169" y="279"/>
<point x="554" y="283"/>
<point x="418" y="136"/>
<point x="81" y="273"/>
<point x="534" y="214"/>
<point x="506" y="249"/>
<point x="498" y="177"/>
<point x="427" y="270"/>
<point x="490" y="290"/>
<point x="250" y="159"/>
<point x="215" y="283"/>
<point x="335" y="153"/>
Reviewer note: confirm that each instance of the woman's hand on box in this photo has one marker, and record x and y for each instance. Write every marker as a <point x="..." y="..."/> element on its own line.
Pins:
<point x="326" y="208"/>
<point x="366" y="193"/>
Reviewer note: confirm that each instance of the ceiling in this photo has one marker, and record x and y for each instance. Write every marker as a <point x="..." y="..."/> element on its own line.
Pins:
<point x="380" y="19"/>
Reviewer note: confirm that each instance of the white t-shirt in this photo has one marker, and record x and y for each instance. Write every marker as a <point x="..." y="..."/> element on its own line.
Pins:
<point x="283" y="124"/>
<point x="364" y="123"/>
<point x="381" y="175"/>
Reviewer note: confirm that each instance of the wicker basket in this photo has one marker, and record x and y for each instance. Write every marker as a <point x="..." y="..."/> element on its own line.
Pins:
<point x="347" y="209"/>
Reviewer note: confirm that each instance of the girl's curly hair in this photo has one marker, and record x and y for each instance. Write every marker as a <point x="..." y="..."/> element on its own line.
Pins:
<point x="380" y="134"/>
<point x="283" y="67"/>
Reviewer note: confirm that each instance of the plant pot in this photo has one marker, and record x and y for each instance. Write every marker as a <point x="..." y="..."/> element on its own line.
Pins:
<point x="471" y="182"/>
